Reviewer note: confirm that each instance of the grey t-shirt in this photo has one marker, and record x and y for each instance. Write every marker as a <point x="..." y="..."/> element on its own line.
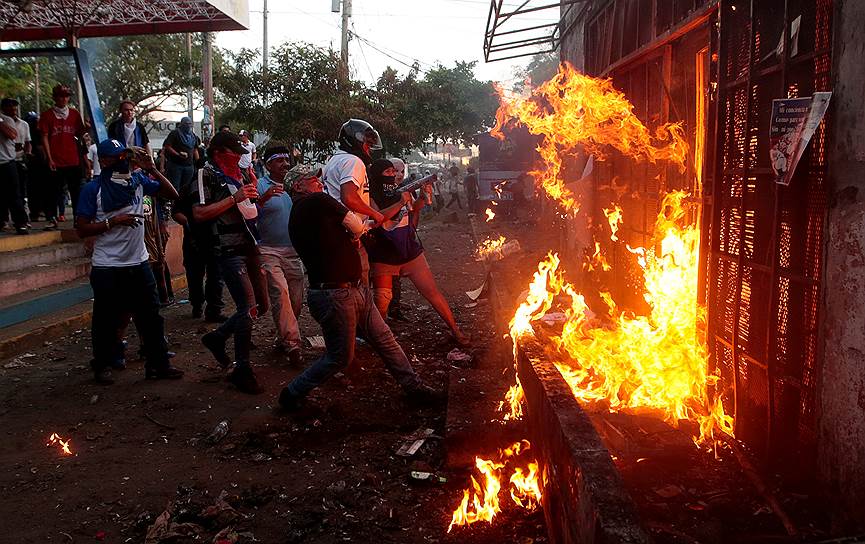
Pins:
<point x="7" y="145"/>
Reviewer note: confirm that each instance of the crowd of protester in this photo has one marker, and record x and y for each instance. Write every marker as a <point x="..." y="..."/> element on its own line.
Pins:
<point x="268" y="230"/>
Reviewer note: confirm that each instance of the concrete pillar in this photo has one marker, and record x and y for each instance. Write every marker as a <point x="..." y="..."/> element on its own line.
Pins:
<point x="841" y="425"/>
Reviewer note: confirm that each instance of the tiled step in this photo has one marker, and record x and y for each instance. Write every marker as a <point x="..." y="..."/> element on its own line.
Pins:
<point x="14" y="242"/>
<point x="25" y="259"/>
<point x="45" y="301"/>
<point x="44" y="275"/>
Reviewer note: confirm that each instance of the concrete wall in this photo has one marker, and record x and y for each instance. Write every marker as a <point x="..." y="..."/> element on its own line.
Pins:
<point x="841" y="441"/>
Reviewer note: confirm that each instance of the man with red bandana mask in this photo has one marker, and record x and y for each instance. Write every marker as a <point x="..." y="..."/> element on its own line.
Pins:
<point x="224" y="198"/>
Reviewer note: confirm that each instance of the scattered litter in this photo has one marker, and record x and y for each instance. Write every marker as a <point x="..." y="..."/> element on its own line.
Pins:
<point x="476" y="293"/>
<point x="16" y="363"/>
<point x="261" y="458"/>
<point x="427" y="477"/>
<point x="165" y="530"/>
<point x="316" y="341"/>
<point x="94" y="399"/>
<point x="220" y="511"/>
<point x="470" y="305"/>
<point x="508" y="248"/>
<point x="413" y="442"/>
<point x="457" y="355"/>
<point x="183" y="301"/>
<point x="226" y="536"/>
<point x="219" y="432"/>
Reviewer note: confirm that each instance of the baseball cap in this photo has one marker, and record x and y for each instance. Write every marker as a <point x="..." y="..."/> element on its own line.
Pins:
<point x="301" y="171"/>
<point x="61" y="90"/>
<point x="111" y="148"/>
<point x="227" y="140"/>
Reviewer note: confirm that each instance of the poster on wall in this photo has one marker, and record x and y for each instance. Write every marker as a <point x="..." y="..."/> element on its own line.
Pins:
<point x="794" y="121"/>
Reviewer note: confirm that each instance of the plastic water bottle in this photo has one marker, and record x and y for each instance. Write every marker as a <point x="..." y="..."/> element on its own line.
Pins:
<point x="219" y="432"/>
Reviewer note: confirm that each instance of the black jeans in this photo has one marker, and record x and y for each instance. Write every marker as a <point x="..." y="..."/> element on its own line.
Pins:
<point x="117" y="293"/>
<point x="58" y="181"/>
<point x="11" y="201"/>
<point x="200" y="265"/>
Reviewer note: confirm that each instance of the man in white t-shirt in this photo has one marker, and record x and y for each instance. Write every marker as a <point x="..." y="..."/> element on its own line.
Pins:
<point x="11" y="199"/>
<point x="93" y="158"/>
<point x="110" y="209"/>
<point x="246" y="159"/>
<point x="345" y="178"/>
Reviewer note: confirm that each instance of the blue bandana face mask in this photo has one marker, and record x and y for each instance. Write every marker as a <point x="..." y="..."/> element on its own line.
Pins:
<point x="117" y="185"/>
<point x="120" y="167"/>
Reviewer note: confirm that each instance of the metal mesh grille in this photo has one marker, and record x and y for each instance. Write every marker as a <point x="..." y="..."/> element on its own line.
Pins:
<point x="766" y="240"/>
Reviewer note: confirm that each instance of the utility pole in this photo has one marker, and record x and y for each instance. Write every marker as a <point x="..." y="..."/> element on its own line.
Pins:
<point x="189" y="106"/>
<point x="208" y="123"/>
<point x="264" y="53"/>
<point x="38" y="91"/>
<point x="346" y="14"/>
<point x="264" y="45"/>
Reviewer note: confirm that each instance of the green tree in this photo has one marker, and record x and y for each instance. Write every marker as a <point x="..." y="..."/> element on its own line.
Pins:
<point x="454" y="105"/>
<point x="300" y="101"/>
<point x="152" y="71"/>
<point x="540" y="69"/>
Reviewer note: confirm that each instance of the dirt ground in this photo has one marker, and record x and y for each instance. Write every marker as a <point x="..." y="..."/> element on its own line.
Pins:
<point x="326" y="474"/>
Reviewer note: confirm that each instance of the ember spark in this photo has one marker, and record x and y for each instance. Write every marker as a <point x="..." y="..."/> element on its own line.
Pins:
<point x="56" y="440"/>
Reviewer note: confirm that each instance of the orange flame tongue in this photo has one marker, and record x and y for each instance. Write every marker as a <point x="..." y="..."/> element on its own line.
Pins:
<point x="655" y="362"/>
<point x="481" y="503"/>
<point x="578" y="113"/>
<point x="55" y="439"/>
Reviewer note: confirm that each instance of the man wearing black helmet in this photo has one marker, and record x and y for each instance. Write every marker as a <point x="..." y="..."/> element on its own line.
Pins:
<point x="345" y="178"/>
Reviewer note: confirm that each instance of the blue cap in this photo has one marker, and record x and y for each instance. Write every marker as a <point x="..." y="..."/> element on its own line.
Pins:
<point x="110" y="148"/>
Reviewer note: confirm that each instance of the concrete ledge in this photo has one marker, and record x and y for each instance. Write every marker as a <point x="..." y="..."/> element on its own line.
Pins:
<point x="37" y="277"/>
<point x="584" y="497"/>
<point x="30" y="334"/>
<point x="49" y="254"/>
<point x="14" y="242"/>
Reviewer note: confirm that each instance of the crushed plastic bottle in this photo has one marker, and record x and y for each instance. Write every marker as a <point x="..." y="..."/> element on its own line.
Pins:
<point x="219" y="432"/>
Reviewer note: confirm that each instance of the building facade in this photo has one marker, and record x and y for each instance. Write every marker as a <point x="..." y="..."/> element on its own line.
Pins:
<point x="782" y="267"/>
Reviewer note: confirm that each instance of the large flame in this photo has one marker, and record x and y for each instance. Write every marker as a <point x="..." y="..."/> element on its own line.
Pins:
<point x="655" y="362"/>
<point x="481" y="502"/>
<point x="574" y="113"/>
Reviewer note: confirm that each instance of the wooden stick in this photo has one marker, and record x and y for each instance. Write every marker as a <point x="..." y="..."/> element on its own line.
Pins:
<point x="159" y="423"/>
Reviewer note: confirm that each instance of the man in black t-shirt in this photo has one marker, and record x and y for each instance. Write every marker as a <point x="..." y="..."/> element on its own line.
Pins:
<point x="181" y="153"/>
<point x="325" y="235"/>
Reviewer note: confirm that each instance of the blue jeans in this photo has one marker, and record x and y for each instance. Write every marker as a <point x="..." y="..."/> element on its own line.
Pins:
<point x="237" y="273"/>
<point x="343" y="314"/>
<point x="180" y="175"/>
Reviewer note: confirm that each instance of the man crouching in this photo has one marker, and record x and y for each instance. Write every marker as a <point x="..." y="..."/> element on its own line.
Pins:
<point x="325" y="234"/>
<point x="111" y="208"/>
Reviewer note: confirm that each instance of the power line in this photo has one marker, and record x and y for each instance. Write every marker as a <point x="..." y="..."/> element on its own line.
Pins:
<point x="363" y="54"/>
<point x="368" y="42"/>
